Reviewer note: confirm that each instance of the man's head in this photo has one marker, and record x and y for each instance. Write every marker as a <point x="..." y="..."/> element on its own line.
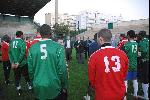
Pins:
<point x="19" y="34"/>
<point x="6" y="38"/>
<point x="142" y="34"/>
<point x="78" y="38"/>
<point x="104" y="36"/>
<point x="131" y="34"/>
<point x="68" y="37"/>
<point x="122" y="35"/>
<point x="45" y="31"/>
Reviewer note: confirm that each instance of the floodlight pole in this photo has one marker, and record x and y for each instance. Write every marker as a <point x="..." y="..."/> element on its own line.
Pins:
<point x="56" y="11"/>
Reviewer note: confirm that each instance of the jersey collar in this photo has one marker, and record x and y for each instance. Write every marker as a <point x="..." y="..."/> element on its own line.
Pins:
<point x="106" y="45"/>
<point x="17" y="38"/>
<point x="45" y="39"/>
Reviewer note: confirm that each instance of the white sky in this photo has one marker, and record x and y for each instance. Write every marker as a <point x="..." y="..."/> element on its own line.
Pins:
<point x="129" y="9"/>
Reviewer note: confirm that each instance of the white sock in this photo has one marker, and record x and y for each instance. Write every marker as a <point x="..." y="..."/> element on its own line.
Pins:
<point x="126" y="84"/>
<point x="19" y="87"/>
<point x="145" y="90"/>
<point x="135" y="87"/>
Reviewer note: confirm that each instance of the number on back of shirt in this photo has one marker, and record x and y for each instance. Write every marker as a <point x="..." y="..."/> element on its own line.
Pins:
<point x="43" y="51"/>
<point x="115" y="68"/>
<point x="15" y="43"/>
<point x="134" y="48"/>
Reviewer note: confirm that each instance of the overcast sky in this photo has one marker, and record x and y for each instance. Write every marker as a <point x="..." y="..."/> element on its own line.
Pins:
<point x="129" y="9"/>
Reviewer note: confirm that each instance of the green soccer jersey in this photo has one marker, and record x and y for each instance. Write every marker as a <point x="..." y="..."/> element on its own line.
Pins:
<point x="130" y="49"/>
<point x="47" y="69"/>
<point x="17" y="50"/>
<point x="144" y="48"/>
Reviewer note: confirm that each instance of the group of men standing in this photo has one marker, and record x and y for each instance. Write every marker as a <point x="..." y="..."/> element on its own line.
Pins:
<point x="41" y="62"/>
<point x="110" y="68"/>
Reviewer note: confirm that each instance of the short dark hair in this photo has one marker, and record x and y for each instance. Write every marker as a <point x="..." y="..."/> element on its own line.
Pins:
<point x="19" y="33"/>
<point x="45" y="30"/>
<point x="6" y="38"/>
<point x="131" y="34"/>
<point x="122" y="35"/>
<point x="142" y="34"/>
<point x="106" y="34"/>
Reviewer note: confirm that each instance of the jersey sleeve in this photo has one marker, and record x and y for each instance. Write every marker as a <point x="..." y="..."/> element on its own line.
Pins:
<point x="126" y="65"/>
<point x="61" y="68"/>
<point x="22" y="52"/>
<point x="91" y="71"/>
<point x="125" y="48"/>
<point x="10" y="53"/>
<point x="30" y="65"/>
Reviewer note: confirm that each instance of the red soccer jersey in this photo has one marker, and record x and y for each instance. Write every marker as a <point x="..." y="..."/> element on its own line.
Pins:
<point x="121" y="43"/>
<point x="4" y="50"/>
<point x="38" y="37"/>
<point x="28" y="44"/>
<point x="107" y="70"/>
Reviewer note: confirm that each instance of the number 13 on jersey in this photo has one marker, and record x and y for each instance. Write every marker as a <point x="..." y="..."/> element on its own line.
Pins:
<point x="115" y="68"/>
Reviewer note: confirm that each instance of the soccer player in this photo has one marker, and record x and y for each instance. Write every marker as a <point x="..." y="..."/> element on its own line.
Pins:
<point x="17" y="55"/>
<point x="144" y="51"/>
<point x="37" y="38"/>
<point x="122" y="41"/>
<point x="107" y="69"/>
<point x="47" y="67"/>
<point x="5" y="57"/>
<point x="131" y="49"/>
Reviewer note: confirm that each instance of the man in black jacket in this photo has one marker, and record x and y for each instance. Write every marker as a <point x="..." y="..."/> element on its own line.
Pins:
<point x="68" y="48"/>
<point x="79" y="46"/>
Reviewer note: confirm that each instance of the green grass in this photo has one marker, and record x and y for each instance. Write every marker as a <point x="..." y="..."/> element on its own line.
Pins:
<point x="78" y="82"/>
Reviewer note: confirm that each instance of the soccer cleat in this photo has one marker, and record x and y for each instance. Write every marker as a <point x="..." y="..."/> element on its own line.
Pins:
<point x="135" y="97"/>
<point x="19" y="92"/>
<point x="29" y="87"/>
<point x="7" y="82"/>
<point x="87" y="97"/>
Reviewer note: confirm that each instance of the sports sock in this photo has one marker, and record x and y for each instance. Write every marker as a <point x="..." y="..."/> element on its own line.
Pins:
<point x="126" y="84"/>
<point x="19" y="87"/>
<point x="135" y="87"/>
<point x="145" y="90"/>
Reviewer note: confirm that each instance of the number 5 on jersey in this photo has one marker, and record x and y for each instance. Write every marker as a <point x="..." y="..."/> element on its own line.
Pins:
<point x="43" y="51"/>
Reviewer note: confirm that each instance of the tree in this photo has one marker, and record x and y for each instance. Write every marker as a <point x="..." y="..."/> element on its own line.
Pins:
<point x="60" y="30"/>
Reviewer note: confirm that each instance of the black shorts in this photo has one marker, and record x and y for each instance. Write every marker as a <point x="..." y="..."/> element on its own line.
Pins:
<point x="145" y="72"/>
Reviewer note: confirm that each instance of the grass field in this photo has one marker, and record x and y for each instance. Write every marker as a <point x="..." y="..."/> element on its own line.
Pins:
<point x="78" y="82"/>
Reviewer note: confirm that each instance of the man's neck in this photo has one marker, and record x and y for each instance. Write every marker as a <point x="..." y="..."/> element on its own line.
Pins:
<point x="106" y="44"/>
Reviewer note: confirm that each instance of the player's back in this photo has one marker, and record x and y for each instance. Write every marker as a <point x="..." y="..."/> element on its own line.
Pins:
<point x="144" y="48"/>
<point x="111" y="66"/>
<point x="130" y="49"/>
<point x="17" y="49"/>
<point x="45" y="53"/>
<point x="4" y="50"/>
<point x="45" y="59"/>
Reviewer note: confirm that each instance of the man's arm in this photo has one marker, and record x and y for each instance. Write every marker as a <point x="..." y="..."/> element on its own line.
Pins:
<point x="30" y="65"/>
<point x="22" y="52"/>
<point x="10" y="54"/>
<point x="91" y="71"/>
<point x="61" y="68"/>
<point x="126" y="66"/>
